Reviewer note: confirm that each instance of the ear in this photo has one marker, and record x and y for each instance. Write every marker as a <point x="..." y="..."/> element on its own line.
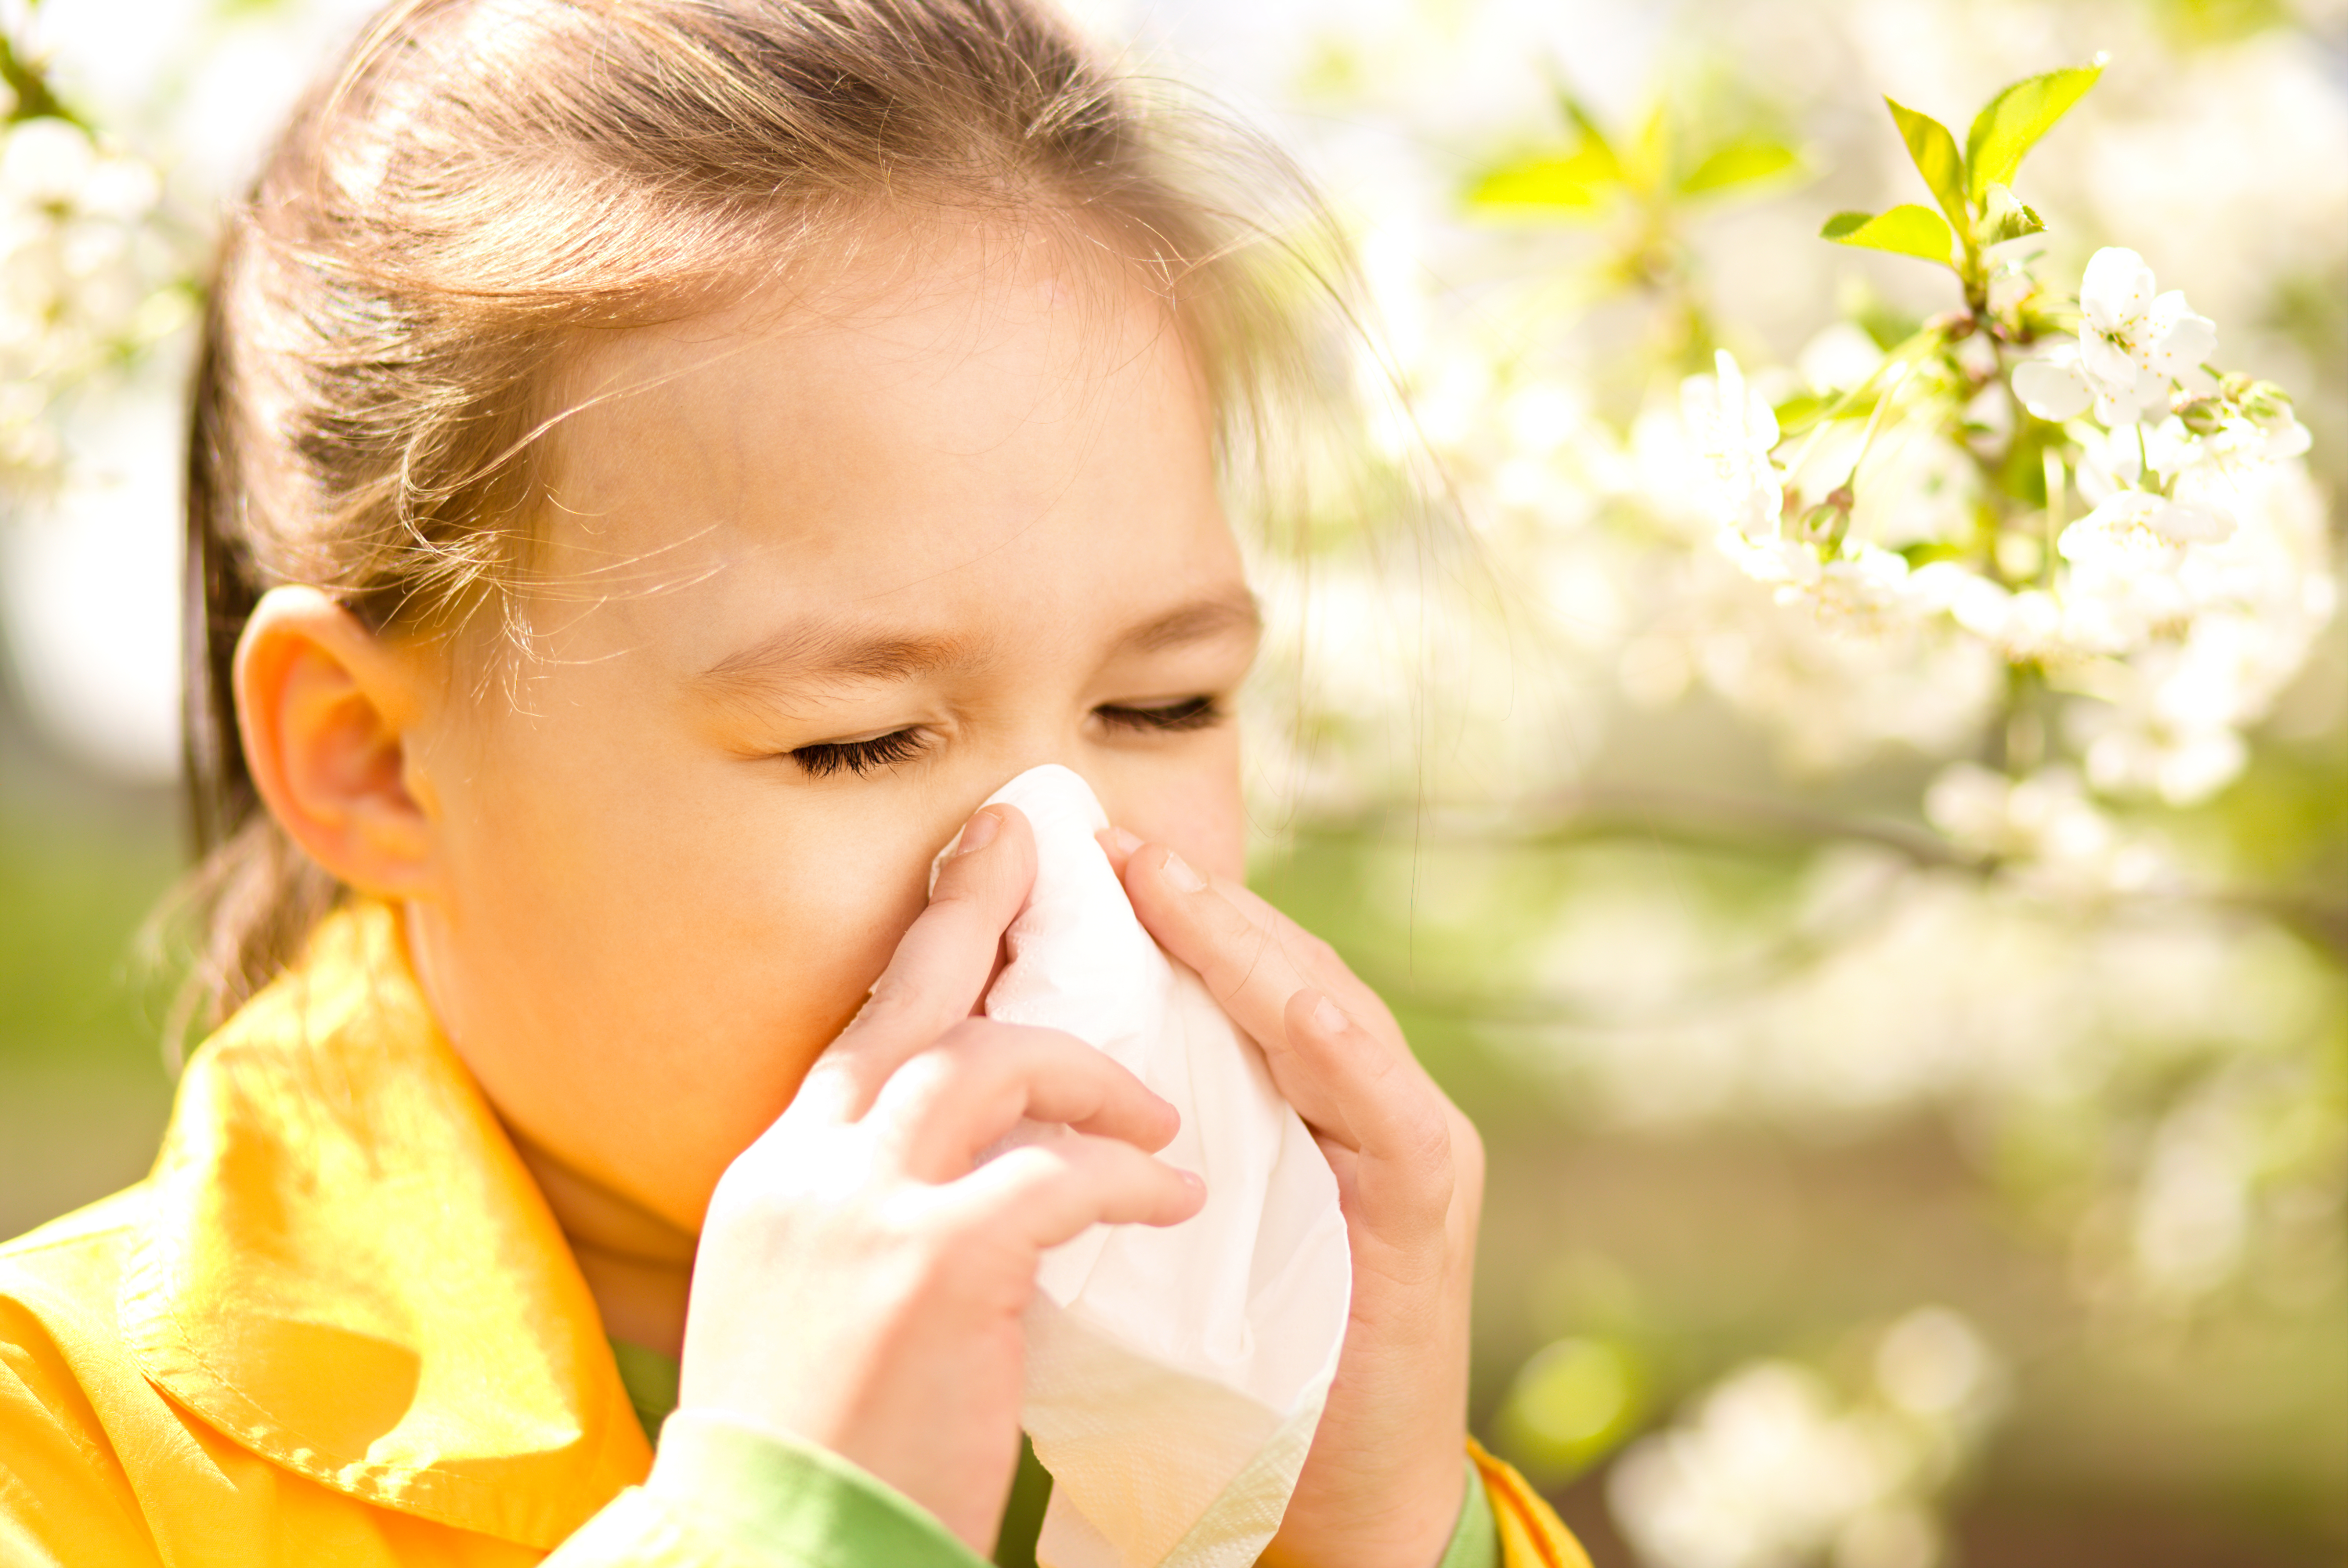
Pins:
<point x="324" y="708"/>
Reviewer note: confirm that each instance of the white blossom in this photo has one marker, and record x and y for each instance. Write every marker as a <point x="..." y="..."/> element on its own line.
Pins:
<point x="2138" y="528"/>
<point x="2054" y="388"/>
<point x="2060" y="840"/>
<point x="2134" y="343"/>
<point x="1733" y="431"/>
<point x="79" y="265"/>
<point x="1770" y="1469"/>
<point x="1832" y="687"/>
<point x="1763" y="1475"/>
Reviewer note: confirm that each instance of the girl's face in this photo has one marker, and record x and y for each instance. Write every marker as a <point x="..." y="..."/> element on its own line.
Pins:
<point x="816" y="581"/>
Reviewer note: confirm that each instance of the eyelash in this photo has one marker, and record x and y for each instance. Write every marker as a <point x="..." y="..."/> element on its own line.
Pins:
<point x="1191" y="713"/>
<point x="827" y="759"/>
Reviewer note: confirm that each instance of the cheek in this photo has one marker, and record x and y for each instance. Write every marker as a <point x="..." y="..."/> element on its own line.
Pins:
<point x="1193" y="804"/>
<point x="647" y="949"/>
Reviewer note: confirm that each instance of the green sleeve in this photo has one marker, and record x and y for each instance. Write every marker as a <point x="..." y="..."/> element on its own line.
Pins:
<point x="727" y="1494"/>
<point x="1476" y="1539"/>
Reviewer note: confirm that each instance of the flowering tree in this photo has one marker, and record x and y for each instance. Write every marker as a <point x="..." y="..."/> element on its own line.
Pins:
<point x="2017" y="580"/>
<point x="92" y="271"/>
<point x="1826" y="715"/>
<point x="2168" y="615"/>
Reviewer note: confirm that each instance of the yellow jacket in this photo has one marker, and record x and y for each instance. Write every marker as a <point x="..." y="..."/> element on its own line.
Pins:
<point x="339" y="1325"/>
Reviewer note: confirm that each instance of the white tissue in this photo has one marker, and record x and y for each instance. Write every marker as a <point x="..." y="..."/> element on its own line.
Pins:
<point x="1174" y="1376"/>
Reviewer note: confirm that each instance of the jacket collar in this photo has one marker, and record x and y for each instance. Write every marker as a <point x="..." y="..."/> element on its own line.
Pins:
<point x="346" y="1269"/>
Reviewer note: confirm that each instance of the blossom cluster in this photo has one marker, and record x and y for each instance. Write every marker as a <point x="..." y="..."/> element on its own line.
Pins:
<point x="2038" y="545"/>
<point x="86" y="277"/>
<point x="2168" y="615"/>
<point x="1769" y="1467"/>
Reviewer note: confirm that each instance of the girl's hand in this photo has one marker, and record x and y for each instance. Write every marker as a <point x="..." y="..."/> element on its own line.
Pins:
<point x="858" y="1283"/>
<point x="1383" y="1484"/>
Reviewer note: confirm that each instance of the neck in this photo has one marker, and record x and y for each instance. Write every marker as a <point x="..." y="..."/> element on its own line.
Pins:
<point x="638" y="1266"/>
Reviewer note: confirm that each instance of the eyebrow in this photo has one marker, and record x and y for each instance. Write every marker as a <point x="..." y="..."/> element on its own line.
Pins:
<point x="837" y="652"/>
<point x="1201" y="620"/>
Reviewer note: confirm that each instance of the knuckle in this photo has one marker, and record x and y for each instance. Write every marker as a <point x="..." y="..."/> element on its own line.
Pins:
<point x="985" y="875"/>
<point x="962" y="886"/>
<point x="968" y="1033"/>
<point x="1241" y="963"/>
<point x="1425" y="1133"/>
<point x="946" y="1252"/>
<point x="1235" y="924"/>
<point x="911" y="1224"/>
<point x="983" y="1056"/>
<point x="896" y="996"/>
<point x="927" y="1074"/>
<point x="1073" y="1161"/>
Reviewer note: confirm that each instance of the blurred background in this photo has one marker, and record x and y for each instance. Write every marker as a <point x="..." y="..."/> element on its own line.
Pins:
<point x="1864" y="1191"/>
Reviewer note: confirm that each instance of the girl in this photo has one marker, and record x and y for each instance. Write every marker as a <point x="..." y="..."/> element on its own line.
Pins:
<point x="656" y="465"/>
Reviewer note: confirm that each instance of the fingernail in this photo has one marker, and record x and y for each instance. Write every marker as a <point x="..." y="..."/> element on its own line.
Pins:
<point x="1178" y="872"/>
<point x="1328" y="1018"/>
<point x="979" y="831"/>
<point x="1126" y="842"/>
<point x="1192" y="1180"/>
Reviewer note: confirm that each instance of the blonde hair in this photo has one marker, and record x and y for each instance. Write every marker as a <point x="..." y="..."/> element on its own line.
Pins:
<point x="482" y="181"/>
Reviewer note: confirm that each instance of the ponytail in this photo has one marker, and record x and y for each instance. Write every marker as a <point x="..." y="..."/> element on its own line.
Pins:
<point x="218" y="595"/>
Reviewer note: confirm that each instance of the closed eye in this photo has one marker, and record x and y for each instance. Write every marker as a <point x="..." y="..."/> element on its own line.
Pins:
<point x="826" y="758"/>
<point x="1190" y="713"/>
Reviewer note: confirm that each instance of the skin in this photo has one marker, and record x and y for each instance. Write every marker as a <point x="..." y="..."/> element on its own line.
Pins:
<point x="960" y="491"/>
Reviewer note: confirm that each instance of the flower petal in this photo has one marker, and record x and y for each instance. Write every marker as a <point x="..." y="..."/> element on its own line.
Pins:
<point x="2115" y="289"/>
<point x="2122" y="404"/>
<point x="2052" y="392"/>
<point x="2191" y="522"/>
<point x="2287" y="440"/>
<point x="2118" y="532"/>
<point x="2180" y="340"/>
<point x="2106" y="361"/>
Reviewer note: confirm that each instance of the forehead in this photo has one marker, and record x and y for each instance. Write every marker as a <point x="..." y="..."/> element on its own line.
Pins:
<point x="930" y="414"/>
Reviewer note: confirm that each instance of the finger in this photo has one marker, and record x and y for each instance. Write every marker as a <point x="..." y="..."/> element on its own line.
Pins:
<point x="947" y="1104"/>
<point x="1118" y="846"/>
<point x="1052" y="1191"/>
<point x="1315" y="959"/>
<point x="1314" y="954"/>
<point x="1240" y="959"/>
<point x="1318" y="962"/>
<point x="1387" y="1111"/>
<point x="1351" y="1080"/>
<point x="939" y="970"/>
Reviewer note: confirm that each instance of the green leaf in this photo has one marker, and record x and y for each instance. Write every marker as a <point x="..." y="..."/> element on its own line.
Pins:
<point x="1798" y="412"/>
<point x="1581" y="182"/>
<point x="2013" y="121"/>
<point x="1934" y="151"/>
<point x="1646" y="163"/>
<point x="2006" y="218"/>
<point x="1886" y="325"/>
<point x="1593" y="137"/>
<point x="1909" y="230"/>
<point x="1741" y="162"/>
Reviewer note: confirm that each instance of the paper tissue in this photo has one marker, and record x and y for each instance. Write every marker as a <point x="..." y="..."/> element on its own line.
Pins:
<point x="1174" y="1376"/>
